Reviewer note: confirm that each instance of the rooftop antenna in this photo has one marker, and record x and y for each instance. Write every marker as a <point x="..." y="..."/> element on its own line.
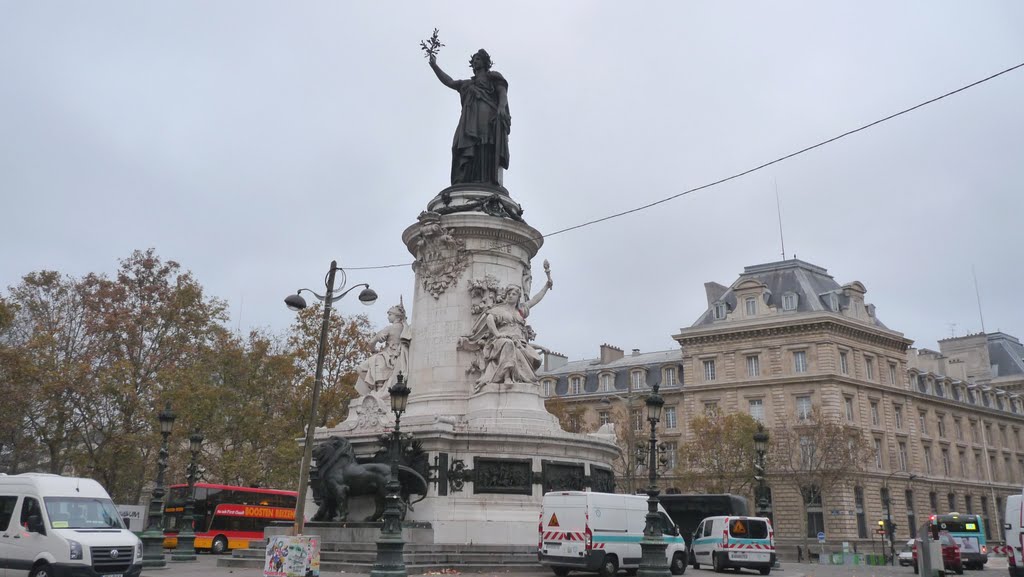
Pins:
<point x="778" y="209"/>
<point x="978" y="295"/>
<point x="952" y="330"/>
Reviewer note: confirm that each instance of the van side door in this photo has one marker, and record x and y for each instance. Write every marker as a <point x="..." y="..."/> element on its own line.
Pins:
<point x="8" y="503"/>
<point x="25" y="544"/>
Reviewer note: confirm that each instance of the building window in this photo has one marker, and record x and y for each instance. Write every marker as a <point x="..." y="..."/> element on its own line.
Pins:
<point x="800" y="361"/>
<point x="756" y="407"/>
<point x="974" y="432"/>
<point x="547" y="388"/>
<point x="956" y="392"/>
<point x="858" y="502"/>
<point x="923" y="422"/>
<point x="970" y="397"/>
<point x="876" y="420"/>
<point x="789" y="301"/>
<point x="751" y="304"/>
<point x="992" y="468"/>
<point x="637" y="380"/>
<point x="958" y="430"/>
<point x="710" y="408"/>
<point x="753" y="366"/>
<point x="636" y="415"/>
<point x="807" y="452"/>
<point x="942" y="426"/>
<point x="848" y="401"/>
<point x="988" y="433"/>
<point x="869" y="368"/>
<point x="668" y="377"/>
<point x="575" y="385"/>
<point x="815" y="514"/>
<point x="607" y="382"/>
<point x="969" y="504"/>
<point x="720" y="311"/>
<point x="985" y="515"/>
<point x="927" y="459"/>
<point x="878" y="453"/>
<point x="709" y="370"/>
<point x="803" y="408"/>
<point x="945" y="462"/>
<point x="897" y="413"/>
<point x="833" y="302"/>
<point x="963" y="463"/>
<point x="604" y="417"/>
<point x="933" y="500"/>
<point x="892" y="373"/>
<point x="670" y="418"/>
<point x="903" y="455"/>
<point x="977" y="465"/>
<point x="844" y="363"/>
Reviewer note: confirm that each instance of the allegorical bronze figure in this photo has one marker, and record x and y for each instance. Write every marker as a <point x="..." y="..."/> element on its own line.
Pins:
<point x="480" y="145"/>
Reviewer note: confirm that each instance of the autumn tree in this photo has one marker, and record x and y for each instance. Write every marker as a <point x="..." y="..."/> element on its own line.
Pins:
<point x="815" y="455"/>
<point x="348" y="345"/>
<point x="720" y="455"/>
<point x="571" y="416"/>
<point x="151" y="323"/>
<point x="49" y="367"/>
<point x="238" y="395"/>
<point x="628" y="414"/>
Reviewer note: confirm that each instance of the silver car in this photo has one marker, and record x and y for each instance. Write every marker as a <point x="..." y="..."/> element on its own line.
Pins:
<point x="906" y="555"/>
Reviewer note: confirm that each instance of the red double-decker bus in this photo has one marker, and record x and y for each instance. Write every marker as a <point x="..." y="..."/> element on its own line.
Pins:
<point x="226" y="517"/>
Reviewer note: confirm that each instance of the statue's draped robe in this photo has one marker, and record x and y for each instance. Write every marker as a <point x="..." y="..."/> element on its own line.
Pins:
<point x="473" y="148"/>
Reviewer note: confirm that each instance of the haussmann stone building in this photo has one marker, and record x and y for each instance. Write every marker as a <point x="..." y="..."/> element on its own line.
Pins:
<point x="946" y="427"/>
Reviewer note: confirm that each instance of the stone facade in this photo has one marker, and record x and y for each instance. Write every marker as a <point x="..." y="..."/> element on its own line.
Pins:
<point x="785" y="336"/>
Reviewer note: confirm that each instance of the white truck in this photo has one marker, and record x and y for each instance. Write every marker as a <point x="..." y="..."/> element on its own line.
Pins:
<point x="52" y="525"/>
<point x="600" y="532"/>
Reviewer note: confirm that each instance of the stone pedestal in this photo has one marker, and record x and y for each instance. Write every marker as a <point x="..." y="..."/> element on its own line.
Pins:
<point x="494" y="446"/>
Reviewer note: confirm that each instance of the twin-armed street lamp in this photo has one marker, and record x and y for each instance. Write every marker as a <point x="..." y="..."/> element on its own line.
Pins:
<point x="295" y="302"/>
<point x="186" y="549"/>
<point x="390" y="545"/>
<point x="153" y="537"/>
<point x="760" y="448"/>
<point x="653" y="546"/>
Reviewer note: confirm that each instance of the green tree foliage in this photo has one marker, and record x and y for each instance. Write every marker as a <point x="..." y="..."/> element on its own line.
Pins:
<point x="719" y="457"/>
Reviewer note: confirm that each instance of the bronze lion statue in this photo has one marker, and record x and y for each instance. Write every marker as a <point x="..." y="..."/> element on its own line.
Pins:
<point x="339" y="477"/>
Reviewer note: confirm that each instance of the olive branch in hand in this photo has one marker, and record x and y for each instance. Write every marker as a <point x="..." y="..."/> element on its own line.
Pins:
<point x="431" y="46"/>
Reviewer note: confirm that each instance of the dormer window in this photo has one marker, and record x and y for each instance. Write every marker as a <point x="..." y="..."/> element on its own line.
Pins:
<point x="668" y="377"/>
<point x="833" y="302"/>
<point x="999" y="403"/>
<point x="720" y="310"/>
<point x="575" y="385"/>
<point x="970" y="397"/>
<point x="607" y="382"/>
<point x="956" y="392"/>
<point x="789" y="301"/>
<point x="637" y="379"/>
<point x="751" y="306"/>
<point x="940" y="389"/>
<point x="549" y="386"/>
<point x="985" y="400"/>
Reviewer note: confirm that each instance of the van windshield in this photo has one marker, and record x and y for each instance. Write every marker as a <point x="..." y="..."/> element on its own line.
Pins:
<point x="748" y="528"/>
<point x="82" y="513"/>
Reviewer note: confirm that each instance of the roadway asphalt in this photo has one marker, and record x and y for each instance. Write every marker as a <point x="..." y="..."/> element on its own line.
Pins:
<point x="206" y="566"/>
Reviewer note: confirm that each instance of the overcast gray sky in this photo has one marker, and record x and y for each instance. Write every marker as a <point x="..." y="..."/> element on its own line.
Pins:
<point x="254" y="142"/>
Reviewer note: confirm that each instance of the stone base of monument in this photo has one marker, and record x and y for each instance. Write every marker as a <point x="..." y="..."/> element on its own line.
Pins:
<point x="351" y="548"/>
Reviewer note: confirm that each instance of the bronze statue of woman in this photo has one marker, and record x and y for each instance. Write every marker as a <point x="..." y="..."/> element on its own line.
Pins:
<point x="480" y="145"/>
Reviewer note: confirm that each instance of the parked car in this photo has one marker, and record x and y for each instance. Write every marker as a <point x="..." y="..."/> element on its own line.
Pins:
<point x="951" y="560"/>
<point x="906" y="555"/>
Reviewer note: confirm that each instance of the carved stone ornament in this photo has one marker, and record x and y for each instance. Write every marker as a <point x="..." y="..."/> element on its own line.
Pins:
<point x="440" y="257"/>
<point x="372" y="414"/>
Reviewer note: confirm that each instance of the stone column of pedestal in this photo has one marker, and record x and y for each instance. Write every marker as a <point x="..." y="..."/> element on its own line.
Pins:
<point x="451" y="252"/>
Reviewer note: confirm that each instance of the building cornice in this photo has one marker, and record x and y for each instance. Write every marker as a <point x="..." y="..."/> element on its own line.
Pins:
<point x="790" y="325"/>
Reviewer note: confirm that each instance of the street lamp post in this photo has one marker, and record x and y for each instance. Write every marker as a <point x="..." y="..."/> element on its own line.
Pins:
<point x="390" y="545"/>
<point x="652" y="546"/>
<point x="761" y="447"/>
<point x="295" y="302"/>
<point x="889" y="528"/>
<point x="186" y="550"/>
<point x="153" y="537"/>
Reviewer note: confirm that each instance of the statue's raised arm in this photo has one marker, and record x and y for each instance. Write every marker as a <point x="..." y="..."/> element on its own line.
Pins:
<point x="441" y="74"/>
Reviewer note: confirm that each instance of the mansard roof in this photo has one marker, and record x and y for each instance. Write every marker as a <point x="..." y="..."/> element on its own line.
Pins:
<point x="815" y="289"/>
<point x="1006" y="353"/>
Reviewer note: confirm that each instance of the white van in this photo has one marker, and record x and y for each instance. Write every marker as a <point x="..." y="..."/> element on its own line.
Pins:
<point x="1014" y="535"/>
<point x="53" y="525"/>
<point x="738" y="542"/>
<point x="600" y="532"/>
